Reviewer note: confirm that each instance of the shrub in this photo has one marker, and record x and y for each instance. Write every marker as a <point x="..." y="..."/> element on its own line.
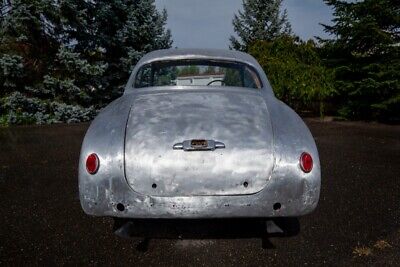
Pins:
<point x="296" y="72"/>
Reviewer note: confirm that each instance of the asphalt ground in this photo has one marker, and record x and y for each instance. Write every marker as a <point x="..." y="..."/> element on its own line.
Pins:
<point x="357" y="221"/>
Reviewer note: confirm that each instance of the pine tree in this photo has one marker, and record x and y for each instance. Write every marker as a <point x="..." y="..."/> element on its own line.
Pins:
<point x="141" y="29"/>
<point x="259" y="20"/>
<point x="366" y="57"/>
<point x="28" y="39"/>
<point x="60" y="61"/>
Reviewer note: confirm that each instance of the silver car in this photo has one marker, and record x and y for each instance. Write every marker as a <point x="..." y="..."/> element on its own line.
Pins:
<point x="198" y="134"/>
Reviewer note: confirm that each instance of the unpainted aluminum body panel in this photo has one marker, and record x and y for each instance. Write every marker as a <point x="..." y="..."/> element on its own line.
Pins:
<point x="115" y="181"/>
<point x="239" y="119"/>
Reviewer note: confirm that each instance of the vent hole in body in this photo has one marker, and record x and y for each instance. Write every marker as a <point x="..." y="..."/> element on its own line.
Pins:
<point x="245" y="184"/>
<point x="277" y="206"/>
<point x="120" y="207"/>
<point x="154" y="186"/>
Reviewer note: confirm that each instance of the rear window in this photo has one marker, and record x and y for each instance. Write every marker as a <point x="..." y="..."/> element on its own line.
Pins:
<point x="197" y="73"/>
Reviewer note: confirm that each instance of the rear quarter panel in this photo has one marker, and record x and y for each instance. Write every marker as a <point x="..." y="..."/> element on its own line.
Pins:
<point x="105" y="137"/>
<point x="291" y="138"/>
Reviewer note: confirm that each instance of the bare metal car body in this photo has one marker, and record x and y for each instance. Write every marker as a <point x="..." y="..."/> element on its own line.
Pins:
<point x="250" y="167"/>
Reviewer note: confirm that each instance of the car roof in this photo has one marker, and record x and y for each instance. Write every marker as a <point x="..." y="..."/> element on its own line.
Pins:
<point x="179" y="53"/>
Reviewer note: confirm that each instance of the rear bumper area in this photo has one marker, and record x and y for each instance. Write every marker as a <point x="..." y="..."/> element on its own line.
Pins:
<point x="280" y="198"/>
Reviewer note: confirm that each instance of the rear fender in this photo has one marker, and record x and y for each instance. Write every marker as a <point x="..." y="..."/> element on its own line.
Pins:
<point x="105" y="137"/>
<point x="291" y="138"/>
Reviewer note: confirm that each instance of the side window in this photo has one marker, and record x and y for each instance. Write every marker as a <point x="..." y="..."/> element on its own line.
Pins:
<point x="233" y="77"/>
<point x="143" y="78"/>
<point x="165" y="76"/>
<point x="250" y="79"/>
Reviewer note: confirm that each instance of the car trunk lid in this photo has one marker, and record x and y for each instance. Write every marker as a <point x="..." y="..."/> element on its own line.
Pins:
<point x="238" y="121"/>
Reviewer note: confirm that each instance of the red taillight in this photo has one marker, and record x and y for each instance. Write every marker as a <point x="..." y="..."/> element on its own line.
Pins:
<point x="306" y="162"/>
<point x="92" y="163"/>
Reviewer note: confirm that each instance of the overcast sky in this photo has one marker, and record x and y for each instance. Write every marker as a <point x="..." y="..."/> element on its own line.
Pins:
<point x="208" y="23"/>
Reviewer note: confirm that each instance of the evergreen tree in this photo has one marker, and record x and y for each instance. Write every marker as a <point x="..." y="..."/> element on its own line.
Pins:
<point x="27" y="41"/>
<point x="63" y="60"/>
<point x="119" y="32"/>
<point x="259" y="20"/>
<point x="365" y="56"/>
